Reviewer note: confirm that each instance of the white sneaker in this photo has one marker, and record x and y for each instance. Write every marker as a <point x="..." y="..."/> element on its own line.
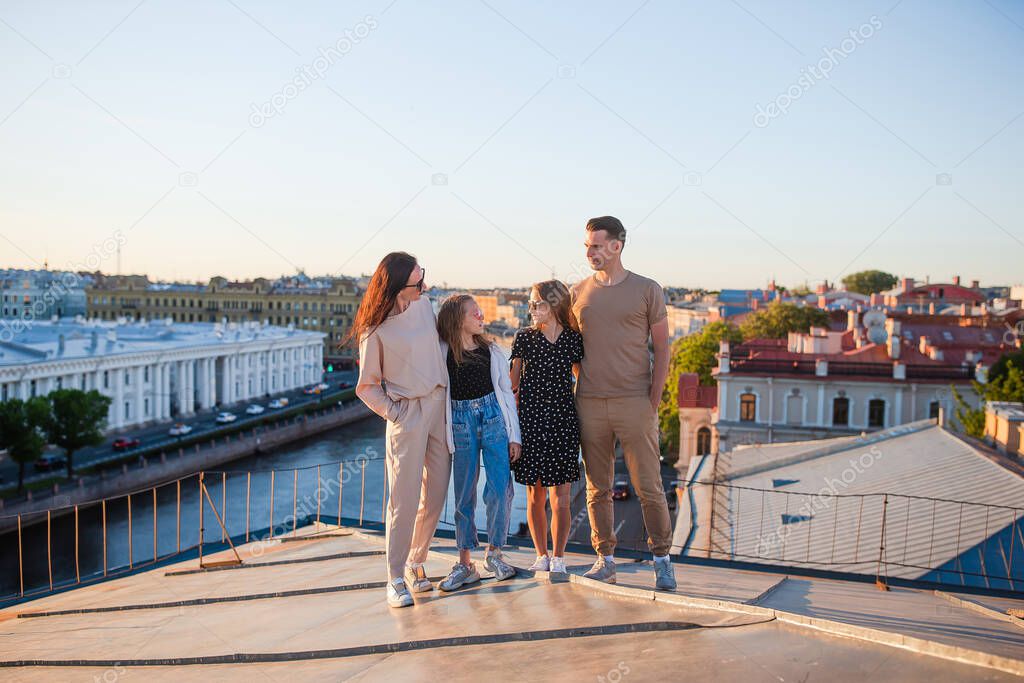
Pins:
<point x="398" y="594"/>
<point x="558" y="565"/>
<point x="541" y="564"/>
<point x="416" y="577"/>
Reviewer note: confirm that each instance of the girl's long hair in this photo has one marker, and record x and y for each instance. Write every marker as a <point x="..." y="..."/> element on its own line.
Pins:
<point x="387" y="282"/>
<point x="449" y="325"/>
<point x="557" y="296"/>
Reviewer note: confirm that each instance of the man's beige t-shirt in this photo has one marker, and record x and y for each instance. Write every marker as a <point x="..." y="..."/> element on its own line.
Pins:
<point x="616" y="325"/>
<point x="404" y="353"/>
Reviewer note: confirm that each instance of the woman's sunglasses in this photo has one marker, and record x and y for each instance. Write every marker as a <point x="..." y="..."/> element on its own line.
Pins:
<point x="419" y="285"/>
<point x="534" y="305"/>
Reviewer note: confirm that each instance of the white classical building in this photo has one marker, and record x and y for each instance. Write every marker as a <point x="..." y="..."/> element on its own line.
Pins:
<point x="155" y="370"/>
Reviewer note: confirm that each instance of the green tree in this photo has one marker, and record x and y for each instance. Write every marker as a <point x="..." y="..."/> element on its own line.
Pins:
<point x="779" y="319"/>
<point x="694" y="353"/>
<point x="77" y="420"/>
<point x="1008" y="387"/>
<point x="869" y="281"/>
<point x="998" y="369"/>
<point x="21" y="431"/>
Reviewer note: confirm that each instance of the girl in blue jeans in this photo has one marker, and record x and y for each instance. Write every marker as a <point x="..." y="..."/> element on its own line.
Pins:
<point x="482" y="419"/>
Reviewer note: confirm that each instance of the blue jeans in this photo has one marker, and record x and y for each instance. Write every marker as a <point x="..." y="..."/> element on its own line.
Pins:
<point x="478" y="425"/>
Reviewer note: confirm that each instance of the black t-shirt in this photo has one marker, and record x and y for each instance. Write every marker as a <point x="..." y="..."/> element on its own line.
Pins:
<point x="472" y="377"/>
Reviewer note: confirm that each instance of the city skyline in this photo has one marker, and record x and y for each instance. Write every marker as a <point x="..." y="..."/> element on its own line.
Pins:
<point x="745" y="143"/>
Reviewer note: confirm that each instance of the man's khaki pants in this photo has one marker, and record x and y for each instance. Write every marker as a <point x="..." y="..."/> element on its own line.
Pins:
<point x="418" y="467"/>
<point x="634" y="423"/>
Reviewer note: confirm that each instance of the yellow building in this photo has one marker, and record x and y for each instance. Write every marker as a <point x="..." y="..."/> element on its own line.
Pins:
<point x="326" y="305"/>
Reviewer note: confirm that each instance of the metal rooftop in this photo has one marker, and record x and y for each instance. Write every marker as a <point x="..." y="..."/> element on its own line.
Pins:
<point x="42" y="341"/>
<point x="311" y="607"/>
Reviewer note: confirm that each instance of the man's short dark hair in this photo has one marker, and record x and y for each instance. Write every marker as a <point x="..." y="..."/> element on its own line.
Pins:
<point x="611" y="225"/>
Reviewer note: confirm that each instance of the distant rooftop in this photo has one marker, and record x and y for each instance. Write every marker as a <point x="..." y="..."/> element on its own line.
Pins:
<point x="71" y="338"/>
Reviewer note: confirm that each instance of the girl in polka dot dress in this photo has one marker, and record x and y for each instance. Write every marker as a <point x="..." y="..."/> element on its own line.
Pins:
<point x="545" y="358"/>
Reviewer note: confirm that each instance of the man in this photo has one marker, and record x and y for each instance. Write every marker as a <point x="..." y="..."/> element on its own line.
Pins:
<point x="619" y="392"/>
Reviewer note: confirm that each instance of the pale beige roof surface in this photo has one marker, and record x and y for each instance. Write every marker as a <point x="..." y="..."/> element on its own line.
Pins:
<point x="314" y="609"/>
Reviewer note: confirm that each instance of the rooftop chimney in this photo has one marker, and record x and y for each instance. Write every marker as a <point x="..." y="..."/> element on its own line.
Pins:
<point x="907" y="284"/>
<point x="956" y="280"/>
<point x="851" y="320"/>
<point x="975" y="284"/>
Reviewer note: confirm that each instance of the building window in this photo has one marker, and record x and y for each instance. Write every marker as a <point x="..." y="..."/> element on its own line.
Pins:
<point x="145" y="403"/>
<point x="127" y="410"/>
<point x="3" y="392"/>
<point x="32" y="389"/>
<point x="703" y="441"/>
<point x="127" y="378"/>
<point x="145" y="374"/>
<point x="748" y="407"/>
<point x="933" y="410"/>
<point x="60" y="382"/>
<point x="106" y="379"/>
<point x="876" y="413"/>
<point x="840" y="411"/>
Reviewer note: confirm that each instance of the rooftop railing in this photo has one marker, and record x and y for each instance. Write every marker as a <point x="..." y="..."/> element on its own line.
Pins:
<point x="949" y="542"/>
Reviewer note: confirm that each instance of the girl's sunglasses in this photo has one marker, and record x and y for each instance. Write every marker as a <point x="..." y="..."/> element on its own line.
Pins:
<point x="419" y="284"/>
<point x="534" y="305"/>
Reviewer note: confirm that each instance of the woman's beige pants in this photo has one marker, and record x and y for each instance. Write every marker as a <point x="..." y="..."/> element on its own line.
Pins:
<point x="418" y="467"/>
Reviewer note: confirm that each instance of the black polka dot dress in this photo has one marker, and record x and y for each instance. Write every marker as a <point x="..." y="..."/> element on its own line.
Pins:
<point x="547" y="413"/>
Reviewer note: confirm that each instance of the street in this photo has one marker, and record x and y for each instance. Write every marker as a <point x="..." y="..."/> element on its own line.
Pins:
<point x="203" y="420"/>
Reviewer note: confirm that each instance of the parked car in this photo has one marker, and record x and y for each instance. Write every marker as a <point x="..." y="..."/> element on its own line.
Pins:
<point x="50" y="461"/>
<point x="620" y="491"/>
<point x="311" y="390"/>
<point x="124" y="443"/>
<point x="278" y="403"/>
<point x="345" y="385"/>
<point x="254" y="409"/>
<point x="225" y="418"/>
<point x="179" y="429"/>
<point x="323" y="386"/>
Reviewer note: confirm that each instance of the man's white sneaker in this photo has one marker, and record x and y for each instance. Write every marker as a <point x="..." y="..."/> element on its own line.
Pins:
<point x="558" y="565"/>
<point x="398" y="594"/>
<point x="602" y="570"/>
<point x="541" y="564"/>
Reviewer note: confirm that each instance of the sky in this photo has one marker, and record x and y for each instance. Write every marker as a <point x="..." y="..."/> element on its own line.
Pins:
<point x="737" y="141"/>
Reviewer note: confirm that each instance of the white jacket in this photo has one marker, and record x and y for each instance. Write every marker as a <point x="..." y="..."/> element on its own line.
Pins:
<point x="502" y="383"/>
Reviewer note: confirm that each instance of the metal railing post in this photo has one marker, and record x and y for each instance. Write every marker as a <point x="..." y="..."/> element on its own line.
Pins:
<point x="49" y="550"/>
<point x="879" y="577"/>
<point x="248" y="489"/>
<point x="271" y="503"/>
<point x="155" y="552"/>
<point x="295" y="499"/>
<point x="78" y="575"/>
<point x="318" y="484"/>
<point x="362" y="493"/>
<point x="341" y="488"/>
<point x="103" y="505"/>
<point x="177" y="515"/>
<point x="131" y="554"/>
<point x="201" y="530"/>
<point x="21" y="564"/>
<point x="223" y="503"/>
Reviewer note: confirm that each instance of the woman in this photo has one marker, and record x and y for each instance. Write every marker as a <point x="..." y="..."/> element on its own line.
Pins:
<point x="544" y="359"/>
<point x="399" y="348"/>
<point x="482" y="421"/>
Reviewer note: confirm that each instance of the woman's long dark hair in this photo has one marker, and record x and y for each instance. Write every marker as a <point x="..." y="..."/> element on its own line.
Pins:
<point x="387" y="282"/>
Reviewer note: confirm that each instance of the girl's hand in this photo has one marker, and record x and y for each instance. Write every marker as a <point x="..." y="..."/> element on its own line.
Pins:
<point x="514" y="451"/>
